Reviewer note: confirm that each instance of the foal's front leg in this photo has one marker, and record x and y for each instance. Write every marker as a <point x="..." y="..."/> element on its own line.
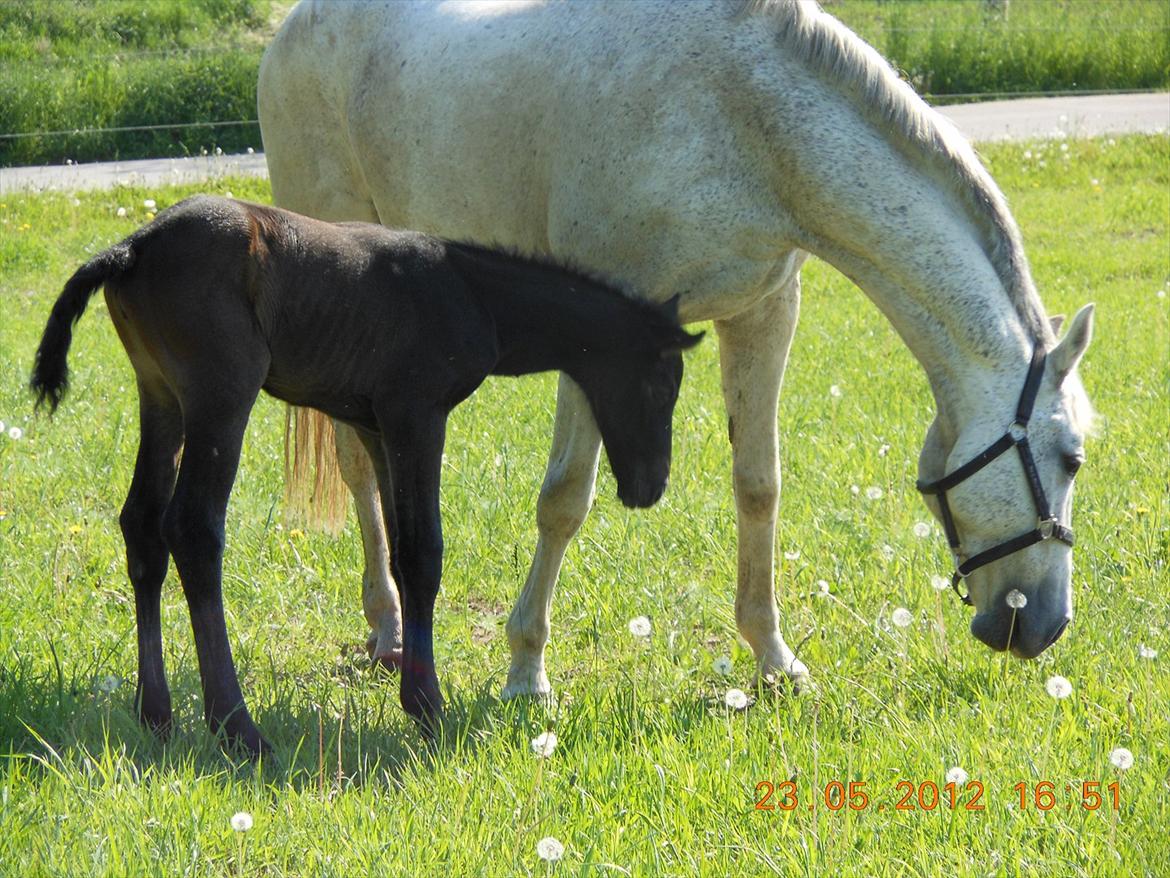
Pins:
<point x="409" y="471"/>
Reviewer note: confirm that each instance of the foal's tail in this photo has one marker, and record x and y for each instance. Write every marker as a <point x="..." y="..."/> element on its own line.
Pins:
<point x="50" y="376"/>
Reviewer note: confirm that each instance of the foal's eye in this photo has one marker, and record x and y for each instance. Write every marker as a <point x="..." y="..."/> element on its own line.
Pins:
<point x="1072" y="463"/>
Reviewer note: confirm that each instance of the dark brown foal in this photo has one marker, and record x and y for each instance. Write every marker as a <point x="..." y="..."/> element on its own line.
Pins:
<point x="388" y="331"/>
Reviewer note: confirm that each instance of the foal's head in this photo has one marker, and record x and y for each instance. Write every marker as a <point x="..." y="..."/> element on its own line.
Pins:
<point x="632" y="388"/>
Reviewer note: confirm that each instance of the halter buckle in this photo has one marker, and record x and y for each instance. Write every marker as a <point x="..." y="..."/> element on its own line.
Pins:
<point x="1018" y="432"/>
<point x="1047" y="528"/>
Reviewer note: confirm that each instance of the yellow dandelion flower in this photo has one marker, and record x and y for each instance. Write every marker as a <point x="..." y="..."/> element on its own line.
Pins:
<point x="75" y="528"/>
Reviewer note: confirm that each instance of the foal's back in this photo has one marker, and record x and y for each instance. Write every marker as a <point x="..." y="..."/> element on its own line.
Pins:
<point x="225" y="292"/>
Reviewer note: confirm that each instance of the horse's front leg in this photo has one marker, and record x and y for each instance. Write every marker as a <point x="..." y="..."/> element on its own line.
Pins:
<point x="753" y="350"/>
<point x="408" y="475"/>
<point x="561" y="509"/>
<point x="379" y="591"/>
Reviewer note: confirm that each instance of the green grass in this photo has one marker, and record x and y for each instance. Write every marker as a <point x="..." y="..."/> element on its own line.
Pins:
<point x="84" y="64"/>
<point x="965" y="47"/>
<point x="652" y="775"/>
<point x="76" y="64"/>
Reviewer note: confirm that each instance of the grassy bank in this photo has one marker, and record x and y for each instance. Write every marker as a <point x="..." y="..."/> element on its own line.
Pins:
<point x="72" y="64"/>
<point x="652" y="775"/>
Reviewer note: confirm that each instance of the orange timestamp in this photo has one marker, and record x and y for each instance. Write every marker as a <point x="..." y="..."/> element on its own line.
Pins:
<point x="836" y="795"/>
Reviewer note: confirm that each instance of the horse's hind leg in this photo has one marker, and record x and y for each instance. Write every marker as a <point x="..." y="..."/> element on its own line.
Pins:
<point x="161" y="426"/>
<point x="561" y="509"/>
<point x="753" y="350"/>
<point x="380" y="599"/>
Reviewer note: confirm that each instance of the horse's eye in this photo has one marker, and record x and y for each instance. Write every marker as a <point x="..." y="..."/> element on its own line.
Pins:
<point x="1072" y="463"/>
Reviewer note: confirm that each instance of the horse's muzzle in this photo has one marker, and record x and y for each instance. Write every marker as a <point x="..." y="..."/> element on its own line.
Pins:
<point x="643" y="493"/>
<point x="1026" y="636"/>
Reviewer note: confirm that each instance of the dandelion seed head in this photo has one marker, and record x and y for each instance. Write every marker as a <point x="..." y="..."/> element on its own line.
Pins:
<point x="121" y="211"/>
<point x="834" y="391"/>
<point x="792" y="556"/>
<point x="1161" y="294"/>
<point x="854" y="490"/>
<point x="722" y="666"/>
<point x="640" y="626"/>
<point x="888" y="552"/>
<point x="736" y="699"/>
<point x="902" y="617"/>
<point x="921" y="530"/>
<point x="1016" y="599"/>
<point x="550" y="849"/>
<point x="15" y="433"/>
<point x="883" y="450"/>
<point x="149" y="203"/>
<point x="241" y="821"/>
<point x="544" y="744"/>
<point x="109" y="683"/>
<point x="1147" y="652"/>
<point x="957" y="776"/>
<point x="873" y="492"/>
<point x="1121" y="758"/>
<point x="1058" y="687"/>
<point x="823" y="586"/>
<point x="939" y="583"/>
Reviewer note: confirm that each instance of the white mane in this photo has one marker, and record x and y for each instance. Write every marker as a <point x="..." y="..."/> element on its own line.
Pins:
<point x="826" y="46"/>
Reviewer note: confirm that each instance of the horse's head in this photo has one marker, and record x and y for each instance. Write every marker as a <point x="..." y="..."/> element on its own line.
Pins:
<point x="632" y="389"/>
<point x="1003" y="492"/>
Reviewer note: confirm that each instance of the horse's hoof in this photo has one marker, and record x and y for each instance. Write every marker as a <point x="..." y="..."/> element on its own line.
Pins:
<point x="389" y="661"/>
<point x="527" y="685"/>
<point x="795" y="675"/>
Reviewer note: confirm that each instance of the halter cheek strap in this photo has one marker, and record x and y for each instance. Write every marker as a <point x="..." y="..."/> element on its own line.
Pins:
<point x="1047" y="526"/>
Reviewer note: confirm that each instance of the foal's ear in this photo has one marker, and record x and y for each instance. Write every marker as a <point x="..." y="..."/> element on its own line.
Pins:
<point x="1056" y="321"/>
<point x="681" y="341"/>
<point x="1068" y="352"/>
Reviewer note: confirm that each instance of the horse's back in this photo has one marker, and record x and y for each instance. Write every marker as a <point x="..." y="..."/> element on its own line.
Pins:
<point x="602" y="133"/>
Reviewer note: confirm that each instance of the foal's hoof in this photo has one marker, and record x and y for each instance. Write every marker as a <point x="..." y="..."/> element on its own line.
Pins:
<point x="795" y="675"/>
<point x="526" y="681"/>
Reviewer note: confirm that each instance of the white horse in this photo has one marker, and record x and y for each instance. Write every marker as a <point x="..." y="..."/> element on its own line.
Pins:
<point x="709" y="147"/>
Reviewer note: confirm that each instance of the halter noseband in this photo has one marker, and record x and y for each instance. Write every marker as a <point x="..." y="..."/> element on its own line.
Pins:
<point x="1017" y="436"/>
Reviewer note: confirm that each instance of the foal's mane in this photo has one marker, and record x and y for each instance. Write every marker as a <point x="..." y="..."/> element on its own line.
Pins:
<point x="826" y="46"/>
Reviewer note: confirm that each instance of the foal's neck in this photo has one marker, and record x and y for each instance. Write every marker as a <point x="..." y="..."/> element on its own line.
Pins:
<point x="546" y="317"/>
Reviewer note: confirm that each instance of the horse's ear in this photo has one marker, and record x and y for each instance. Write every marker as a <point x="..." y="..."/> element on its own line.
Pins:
<point x="670" y="307"/>
<point x="1068" y="352"/>
<point x="1056" y="321"/>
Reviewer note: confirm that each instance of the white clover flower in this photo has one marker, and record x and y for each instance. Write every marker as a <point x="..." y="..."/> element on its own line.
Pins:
<point x="15" y="433"/>
<point x="873" y="492"/>
<point x="1058" y="687"/>
<point x="149" y="204"/>
<point x="939" y="583"/>
<point x="1121" y="758"/>
<point x="834" y="391"/>
<point x="921" y="530"/>
<point x="640" y="626"/>
<point x="241" y="821"/>
<point x="1016" y="599"/>
<point x="792" y="556"/>
<point x="722" y="666"/>
<point x="902" y="617"/>
<point x="121" y="211"/>
<point x="736" y="699"/>
<point x="544" y="744"/>
<point x="957" y="776"/>
<point x="550" y="849"/>
<point x="1147" y="652"/>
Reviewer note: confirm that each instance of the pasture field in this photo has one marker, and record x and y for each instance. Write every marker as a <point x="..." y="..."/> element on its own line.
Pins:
<point x="653" y="774"/>
<point x="70" y="64"/>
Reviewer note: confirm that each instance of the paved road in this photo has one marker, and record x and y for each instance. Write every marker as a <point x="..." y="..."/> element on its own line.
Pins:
<point x="1000" y="120"/>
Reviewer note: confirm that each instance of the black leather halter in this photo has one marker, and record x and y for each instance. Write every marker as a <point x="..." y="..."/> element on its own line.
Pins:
<point x="1047" y="526"/>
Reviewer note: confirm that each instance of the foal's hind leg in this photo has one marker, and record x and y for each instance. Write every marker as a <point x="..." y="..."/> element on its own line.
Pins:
<point x="161" y="426"/>
<point x="379" y="591"/>
<point x="214" y="423"/>
<point x="753" y="350"/>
